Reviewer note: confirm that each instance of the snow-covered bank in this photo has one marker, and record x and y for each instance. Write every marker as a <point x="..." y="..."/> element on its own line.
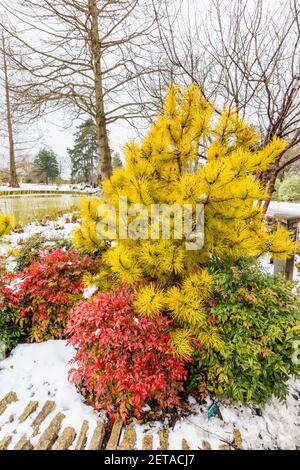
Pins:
<point x="37" y="187"/>
<point x="268" y="268"/>
<point x="288" y="208"/>
<point x="52" y="229"/>
<point x="49" y="188"/>
<point x="275" y="426"/>
<point x="39" y="372"/>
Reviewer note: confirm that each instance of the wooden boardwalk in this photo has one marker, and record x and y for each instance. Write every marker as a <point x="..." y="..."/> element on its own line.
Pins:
<point x="56" y="436"/>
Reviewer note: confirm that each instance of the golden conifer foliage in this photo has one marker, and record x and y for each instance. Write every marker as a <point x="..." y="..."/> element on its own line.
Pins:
<point x="6" y="224"/>
<point x="165" y="169"/>
<point x="85" y="237"/>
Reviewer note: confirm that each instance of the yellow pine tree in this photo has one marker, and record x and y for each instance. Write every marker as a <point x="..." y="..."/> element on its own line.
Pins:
<point x="85" y="236"/>
<point x="5" y="224"/>
<point x="165" y="169"/>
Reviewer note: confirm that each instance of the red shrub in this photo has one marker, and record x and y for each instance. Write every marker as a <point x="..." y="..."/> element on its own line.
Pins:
<point x="46" y="290"/>
<point x="122" y="361"/>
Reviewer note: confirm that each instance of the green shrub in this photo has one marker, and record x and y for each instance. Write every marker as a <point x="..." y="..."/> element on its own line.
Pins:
<point x="258" y="319"/>
<point x="30" y="250"/>
<point x="289" y="189"/>
<point x="41" y="296"/>
<point x="13" y="329"/>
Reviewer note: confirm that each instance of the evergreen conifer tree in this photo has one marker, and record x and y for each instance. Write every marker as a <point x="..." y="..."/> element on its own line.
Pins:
<point x="84" y="154"/>
<point x="116" y="161"/>
<point x="170" y="279"/>
<point x="46" y="165"/>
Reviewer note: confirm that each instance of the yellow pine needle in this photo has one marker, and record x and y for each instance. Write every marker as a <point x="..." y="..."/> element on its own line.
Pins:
<point x="186" y="310"/>
<point x="181" y="340"/>
<point x="85" y="237"/>
<point x="149" y="301"/>
<point x="198" y="285"/>
<point x="88" y="208"/>
<point x="123" y="262"/>
<point x="6" y="224"/>
<point x="210" y="339"/>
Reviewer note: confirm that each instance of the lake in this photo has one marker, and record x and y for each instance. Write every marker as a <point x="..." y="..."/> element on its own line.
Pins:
<point x="25" y="208"/>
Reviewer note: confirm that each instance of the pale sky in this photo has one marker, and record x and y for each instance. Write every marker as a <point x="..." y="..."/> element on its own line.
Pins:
<point x="120" y="132"/>
<point x="59" y="139"/>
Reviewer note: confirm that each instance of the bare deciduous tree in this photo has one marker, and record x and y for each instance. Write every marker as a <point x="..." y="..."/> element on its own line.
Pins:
<point x="245" y="55"/>
<point x="13" y="180"/>
<point x="82" y="54"/>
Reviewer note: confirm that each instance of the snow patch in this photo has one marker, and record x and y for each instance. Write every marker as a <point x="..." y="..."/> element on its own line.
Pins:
<point x="40" y="372"/>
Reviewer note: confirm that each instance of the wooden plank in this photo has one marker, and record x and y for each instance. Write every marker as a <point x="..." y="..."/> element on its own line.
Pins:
<point x="66" y="439"/>
<point x="163" y="439"/>
<point x="11" y="397"/>
<point x="129" y="439"/>
<point x="45" y="411"/>
<point x="147" y="443"/>
<point x="98" y="436"/>
<point x="30" y="408"/>
<point x="49" y="436"/>
<point x="23" y="444"/>
<point x="185" y="445"/>
<point x="82" y="438"/>
<point x="4" y="443"/>
<point x="114" y="436"/>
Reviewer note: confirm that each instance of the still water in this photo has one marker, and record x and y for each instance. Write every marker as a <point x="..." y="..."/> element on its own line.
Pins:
<point x="26" y="208"/>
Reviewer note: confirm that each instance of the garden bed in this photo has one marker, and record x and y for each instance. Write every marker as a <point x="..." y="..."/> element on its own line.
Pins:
<point x="39" y="372"/>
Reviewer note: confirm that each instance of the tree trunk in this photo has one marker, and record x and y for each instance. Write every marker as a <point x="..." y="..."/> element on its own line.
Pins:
<point x="13" y="181"/>
<point x="269" y="181"/>
<point x="105" y="165"/>
<point x="271" y="189"/>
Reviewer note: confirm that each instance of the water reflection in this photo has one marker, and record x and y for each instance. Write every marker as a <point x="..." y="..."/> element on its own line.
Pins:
<point x="25" y="208"/>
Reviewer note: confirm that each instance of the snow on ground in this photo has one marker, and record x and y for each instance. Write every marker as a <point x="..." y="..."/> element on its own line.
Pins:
<point x="268" y="268"/>
<point x="278" y="427"/>
<point x="287" y="208"/>
<point x="52" y="229"/>
<point x="49" y="187"/>
<point x="39" y="372"/>
<point x="38" y="187"/>
<point x="60" y="228"/>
